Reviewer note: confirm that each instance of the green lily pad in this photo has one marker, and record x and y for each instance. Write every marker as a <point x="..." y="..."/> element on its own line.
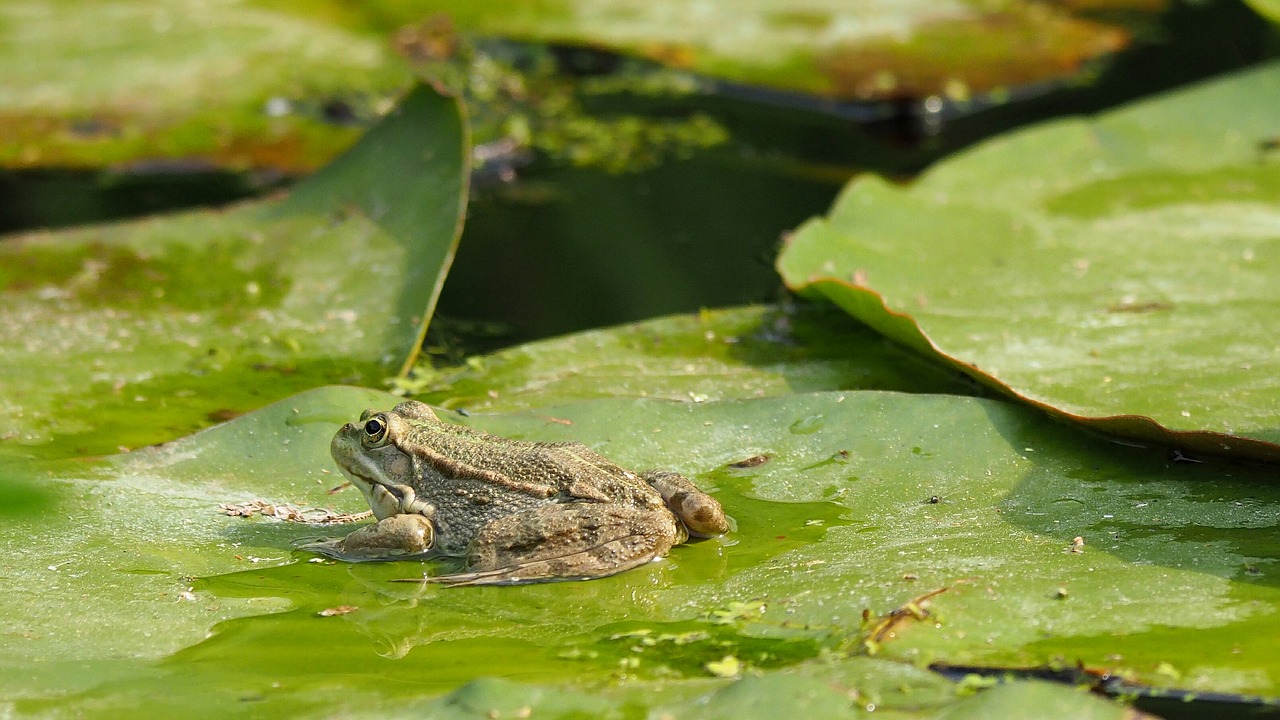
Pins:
<point x="714" y="355"/>
<point x="868" y="500"/>
<point x="1117" y="270"/>
<point x="825" y="47"/>
<point x="1034" y="700"/>
<point x="833" y="689"/>
<point x="1269" y="9"/>
<point x="138" y="332"/>
<point x="238" y="85"/>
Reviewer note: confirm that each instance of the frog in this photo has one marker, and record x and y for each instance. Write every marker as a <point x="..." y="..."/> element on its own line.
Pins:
<point x="516" y="511"/>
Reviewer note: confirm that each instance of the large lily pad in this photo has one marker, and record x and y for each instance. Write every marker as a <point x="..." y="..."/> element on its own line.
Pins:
<point x="139" y="332"/>
<point x="869" y="500"/>
<point x="1118" y="266"/>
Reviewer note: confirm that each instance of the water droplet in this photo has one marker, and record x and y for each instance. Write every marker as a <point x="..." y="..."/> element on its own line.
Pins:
<point x="807" y="425"/>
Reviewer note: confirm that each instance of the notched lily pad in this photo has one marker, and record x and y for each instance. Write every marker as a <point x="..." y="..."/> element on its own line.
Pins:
<point x="131" y="333"/>
<point x="1118" y="271"/>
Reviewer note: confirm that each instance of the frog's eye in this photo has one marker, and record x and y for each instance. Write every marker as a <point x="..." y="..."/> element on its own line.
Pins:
<point x="375" y="431"/>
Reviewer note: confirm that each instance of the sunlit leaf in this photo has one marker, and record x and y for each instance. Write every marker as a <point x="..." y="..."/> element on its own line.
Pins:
<point x="870" y="502"/>
<point x="1106" y="268"/>
<point x="714" y="355"/>
<point x="1267" y="8"/>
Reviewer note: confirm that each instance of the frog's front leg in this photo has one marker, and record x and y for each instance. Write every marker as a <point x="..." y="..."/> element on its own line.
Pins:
<point x="565" y="541"/>
<point x="390" y="538"/>
<point x="701" y="514"/>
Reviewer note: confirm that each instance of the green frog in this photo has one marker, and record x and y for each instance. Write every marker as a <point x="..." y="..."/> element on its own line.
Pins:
<point x="519" y="512"/>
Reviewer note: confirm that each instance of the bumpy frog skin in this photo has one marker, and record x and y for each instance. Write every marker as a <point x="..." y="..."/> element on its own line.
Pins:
<point x="519" y="512"/>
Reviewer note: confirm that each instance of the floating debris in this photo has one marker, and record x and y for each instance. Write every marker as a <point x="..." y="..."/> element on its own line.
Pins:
<point x="290" y="513"/>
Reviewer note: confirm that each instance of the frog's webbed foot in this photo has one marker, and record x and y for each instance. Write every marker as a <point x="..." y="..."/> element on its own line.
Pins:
<point x="578" y="541"/>
<point x="701" y="514"/>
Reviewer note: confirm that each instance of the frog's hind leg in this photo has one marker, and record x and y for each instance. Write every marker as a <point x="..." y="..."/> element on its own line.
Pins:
<point x="577" y="541"/>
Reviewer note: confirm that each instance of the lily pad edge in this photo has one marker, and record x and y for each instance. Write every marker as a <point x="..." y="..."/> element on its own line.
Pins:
<point x="869" y="306"/>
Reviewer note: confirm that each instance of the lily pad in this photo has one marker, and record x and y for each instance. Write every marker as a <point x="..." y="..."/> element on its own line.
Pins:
<point x="867" y="501"/>
<point x="714" y="355"/>
<point x="1269" y="9"/>
<point x="843" y="689"/>
<point x="1118" y="270"/>
<point x="233" y="85"/>
<point x="824" y="47"/>
<point x="138" y="332"/>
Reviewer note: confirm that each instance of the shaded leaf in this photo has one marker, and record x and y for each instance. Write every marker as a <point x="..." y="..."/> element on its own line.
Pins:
<point x="1106" y="268"/>
<point x="132" y="333"/>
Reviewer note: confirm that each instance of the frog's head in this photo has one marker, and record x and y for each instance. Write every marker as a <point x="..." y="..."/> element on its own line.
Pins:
<point x="376" y="455"/>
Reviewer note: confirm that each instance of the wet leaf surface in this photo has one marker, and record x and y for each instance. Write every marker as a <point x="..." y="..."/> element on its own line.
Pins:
<point x="870" y="499"/>
<point x="1105" y="268"/>
<point x="714" y="355"/>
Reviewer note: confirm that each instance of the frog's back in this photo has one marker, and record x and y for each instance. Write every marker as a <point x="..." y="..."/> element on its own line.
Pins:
<point x="472" y="478"/>
<point x="563" y="471"/>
